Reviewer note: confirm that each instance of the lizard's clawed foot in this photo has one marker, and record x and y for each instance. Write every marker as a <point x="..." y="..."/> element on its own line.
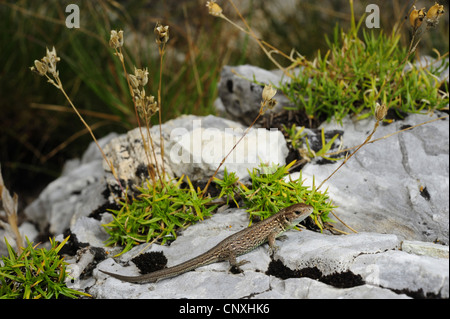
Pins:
<point x="235" y="268"/>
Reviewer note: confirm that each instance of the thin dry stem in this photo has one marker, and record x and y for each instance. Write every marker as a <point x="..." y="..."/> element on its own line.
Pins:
<point x="154" y="154"/>
<point x="377" y="123"/>
<point x="342" y="223"/>
<point x="48" y="65"/>
<point x="261" y="44"/>
<point x="161" y="53"/>
<point x="234" y="146"/>
<point x="89" y="129"/>
<point x="146" y="148"/>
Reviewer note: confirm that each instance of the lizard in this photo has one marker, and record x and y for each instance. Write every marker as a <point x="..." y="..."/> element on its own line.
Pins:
<point x="233" y="246"/>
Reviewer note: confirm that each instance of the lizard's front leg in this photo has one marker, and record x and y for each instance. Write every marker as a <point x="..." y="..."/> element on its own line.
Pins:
<point x="272" y="245"/>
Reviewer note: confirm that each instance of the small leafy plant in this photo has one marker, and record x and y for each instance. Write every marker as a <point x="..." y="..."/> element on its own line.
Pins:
<point x="326" y="146"/>
<point x="294" y="135"/>
<point x="270" y="192"/>
<point x="228" y="186"/>
<point x="357" y="73"/>
<point x="157" y="213"/>
<point x="35" y="273"/>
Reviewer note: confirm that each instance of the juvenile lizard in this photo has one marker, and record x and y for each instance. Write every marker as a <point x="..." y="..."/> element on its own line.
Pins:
<point x="233" y="246"/>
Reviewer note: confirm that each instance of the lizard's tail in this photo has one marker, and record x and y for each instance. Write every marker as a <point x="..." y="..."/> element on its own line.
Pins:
<point x="202" y="260"/>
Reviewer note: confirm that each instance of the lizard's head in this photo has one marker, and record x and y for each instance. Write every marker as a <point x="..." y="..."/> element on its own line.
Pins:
<point x="296" y="213"/>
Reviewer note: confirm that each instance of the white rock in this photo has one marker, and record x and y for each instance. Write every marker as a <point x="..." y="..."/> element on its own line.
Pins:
<point x="198" y="153"/>
<point x="77" y="192"/>
<point x="306" y="288"/>
<point x="90" y="231"/>
<point x="402" y="271"/>
<point x="331" y="254"/>
<point x="366" y="254"/>
<point x="195" y="146"/>
<point x="425" y="249"/>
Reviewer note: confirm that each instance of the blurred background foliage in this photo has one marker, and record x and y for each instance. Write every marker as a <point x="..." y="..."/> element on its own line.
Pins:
<point x="38" y="130"/>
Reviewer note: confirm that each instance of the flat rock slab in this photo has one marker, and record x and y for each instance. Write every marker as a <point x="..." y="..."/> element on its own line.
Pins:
<point x="366" y="256"/>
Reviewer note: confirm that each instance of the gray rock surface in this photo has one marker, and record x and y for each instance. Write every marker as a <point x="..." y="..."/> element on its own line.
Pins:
<point x="240" y="98"/>
<point x="387" y="265"/>
<point x="386" y="272"/>
<point x="425" y="249"/>
<point x="75" y="194"/>
<point x="397" y="185"/>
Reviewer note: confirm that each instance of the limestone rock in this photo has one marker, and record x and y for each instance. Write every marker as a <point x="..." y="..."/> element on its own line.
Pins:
<point x="425" y="249"/>
<point x="397" y="185"/>
<point x="76" y="193"/>
<point x="198" y="153"/>
<point x="367" y="255"/>
<point x="240" y="98"/>
<point x="195" y="146"/>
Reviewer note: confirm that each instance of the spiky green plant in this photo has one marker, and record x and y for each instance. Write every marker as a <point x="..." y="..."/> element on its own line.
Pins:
<point x="35" y="273"/>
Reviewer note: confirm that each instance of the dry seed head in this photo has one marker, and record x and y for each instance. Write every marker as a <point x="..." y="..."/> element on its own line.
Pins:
<point x="435" y="11"/>
<point x="116" y="39"/>
<point x="133" y="81"/>
<point x="268" y="101"/>
<point x="268" y="92"/>
<point x="146" y="107"/>
<point x="139" y="94"/>
<point x="161" y="33"/>
<point x="39" y="67"/>
<point x="416" y="17"/>
<point x="433" y="15"/>
<point x="271" y="104"/>
<point x="141" y="76"/>
<point x="213" y="8"/>
<point x="380" y="111"/>
<point x="51" y="59"/>
<point x="152" y="104"/>
<point x="47" y="64"/>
